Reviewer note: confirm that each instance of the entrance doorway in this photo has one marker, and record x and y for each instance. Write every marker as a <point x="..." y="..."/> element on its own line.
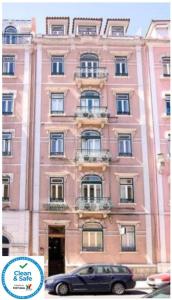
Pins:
<point x="56" y="250"/>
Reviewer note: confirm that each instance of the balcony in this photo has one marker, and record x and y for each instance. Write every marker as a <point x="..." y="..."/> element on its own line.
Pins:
<point x="91" y="76"/>
<point x="90" y="206"/>
<point x="55" y="205"/>
<point x="97" y="116"/>
<point x="93" y="158"/>
<point x="14" y="39"/>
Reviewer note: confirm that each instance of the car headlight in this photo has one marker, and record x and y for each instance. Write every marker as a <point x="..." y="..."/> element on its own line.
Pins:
<point x="158" y="281"/>
<point x="49" y="281"/>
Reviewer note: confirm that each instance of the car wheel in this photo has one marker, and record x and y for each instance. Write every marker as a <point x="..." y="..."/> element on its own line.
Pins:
<point x="62" y="289"/>
<point x="118" y="288"/>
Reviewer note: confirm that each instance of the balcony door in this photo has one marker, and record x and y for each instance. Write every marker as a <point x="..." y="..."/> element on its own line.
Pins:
<point x="91" y="142"/>
<point x="91" y="188"/>
<point x="90" y="101"/>
<point x="89" y="64"/>
<point x="10" y="35"/>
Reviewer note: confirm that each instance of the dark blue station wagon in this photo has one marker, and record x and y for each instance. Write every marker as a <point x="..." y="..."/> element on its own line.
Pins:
<point x="92" y="279"/>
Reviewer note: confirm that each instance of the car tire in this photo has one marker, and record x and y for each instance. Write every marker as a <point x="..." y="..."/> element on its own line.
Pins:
<point x="62" y="289"/>
<point x="118" y="288"/>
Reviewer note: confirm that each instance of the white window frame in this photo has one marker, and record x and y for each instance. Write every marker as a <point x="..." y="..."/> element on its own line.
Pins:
<point x="6" y="143"/>
<point x="5" y="182"/>
<point x="125" y="233"/>
<point x="121" y="62"/>
<point x="59" y="99"/>
<point x="126" y="187"/>
<point x="7" y="100"/>
<point x="59" y="143"/>
<point x="56" y="182"/>
<point x="124" y="99"/>
<point x="124" y="144"/>
<point x="7" y="62"/>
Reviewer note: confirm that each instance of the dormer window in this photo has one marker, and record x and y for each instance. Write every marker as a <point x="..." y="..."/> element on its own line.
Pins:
<point x="117" y="31"/>
<point x="57" y="29"/>
<point x="87" y="30"/>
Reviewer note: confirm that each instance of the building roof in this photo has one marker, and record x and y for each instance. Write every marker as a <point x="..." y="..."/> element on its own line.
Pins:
<point x="152" y="24"/>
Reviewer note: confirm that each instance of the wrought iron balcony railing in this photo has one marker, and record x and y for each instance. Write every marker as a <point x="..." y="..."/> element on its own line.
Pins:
<point x="95" y="73"/>
<point x="93" y="204"/>
<point x="93" y="112"/>
<point x="92" y="155"/>
<point x="16" y="38"/>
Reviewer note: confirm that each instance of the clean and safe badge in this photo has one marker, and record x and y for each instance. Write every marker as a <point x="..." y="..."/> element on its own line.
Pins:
<point x="22" y="277"/>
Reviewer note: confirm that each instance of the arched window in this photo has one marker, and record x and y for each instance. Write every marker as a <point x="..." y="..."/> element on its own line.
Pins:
<point x="91" y="142"/>
<point x="89" y="63"/>
<point x="5" y="246"/>
<point x="91" y="189"/>
<point x="10" y="35"/>
<point x="92" y="237"/>
<point x="90" y="101"/>
<point x="10" y="30"/>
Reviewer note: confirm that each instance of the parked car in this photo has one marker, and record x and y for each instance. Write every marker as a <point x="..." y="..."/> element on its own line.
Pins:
<point x="162" y="292"/>
<point x="157" y="280"/>
<point x="92" y="278"/>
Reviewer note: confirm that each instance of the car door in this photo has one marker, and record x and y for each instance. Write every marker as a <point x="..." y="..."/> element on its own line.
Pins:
<point x="103" y="278"/>
<point x="84" y="279"/>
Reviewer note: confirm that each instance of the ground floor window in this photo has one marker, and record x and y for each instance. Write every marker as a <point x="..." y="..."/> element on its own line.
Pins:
<point x="5" y="246"/>
<point x="92" y="237"/>
<point x="128" y="240"/>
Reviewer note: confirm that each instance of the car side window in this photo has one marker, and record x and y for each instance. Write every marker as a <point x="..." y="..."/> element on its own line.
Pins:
<point x="103" y="270"/>
<point x="86" y="271"/>
<point x="115" y="269"/>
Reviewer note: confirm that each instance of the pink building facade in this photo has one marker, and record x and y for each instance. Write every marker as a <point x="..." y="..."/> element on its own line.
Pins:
<point x="89" y="172"/>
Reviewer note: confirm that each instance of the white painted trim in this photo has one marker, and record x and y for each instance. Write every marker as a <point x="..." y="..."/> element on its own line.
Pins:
<point x="146" y="181"/>
<point x="25" y="114"/>
<point x="154" y="100"/>
<point x="36" y="187"/>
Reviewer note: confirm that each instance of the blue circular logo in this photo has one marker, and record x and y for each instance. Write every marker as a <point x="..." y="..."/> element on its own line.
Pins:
<point x="18" y="278"/>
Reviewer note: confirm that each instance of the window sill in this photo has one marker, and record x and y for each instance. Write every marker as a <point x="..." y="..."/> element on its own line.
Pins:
<point x="118" y="157"/>
<point x="57" y="75"/>
<point x="91" y="252"/>
<point x="8" y="115"/>
<point x="7" y="156"/>
<point x="129" y="252"/>
<point x="165" y="77"/>
<point x="57" y="115"/>
<point x="57" y="156"/>
<point x="121" y="76"/>
<point x="123" y="115"/>
<point x="127" y="205"/>
<point x="8" y="76"/>
<point x="166" y="116"/>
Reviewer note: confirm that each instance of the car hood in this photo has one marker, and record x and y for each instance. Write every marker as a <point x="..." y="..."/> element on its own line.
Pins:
<point x="160" y="276"/>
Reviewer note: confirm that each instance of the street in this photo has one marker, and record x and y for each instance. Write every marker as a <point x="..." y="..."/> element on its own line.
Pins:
<point x="135" y="293"/>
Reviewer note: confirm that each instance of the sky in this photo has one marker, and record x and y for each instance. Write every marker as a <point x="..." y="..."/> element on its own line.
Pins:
<point x="140" y="14"/>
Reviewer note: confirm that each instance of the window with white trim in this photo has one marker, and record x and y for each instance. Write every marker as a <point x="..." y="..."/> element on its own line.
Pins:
<point x="6" y="143"/>
<point x="7" y="103"/>
<point x="8" y="64"/>
<point x="166" y="66"/>
<point x="126" y="190"/>
<point x="117" y="31"/>
<point x="57" y="30"/>
<point x="57" y="103"/>
<point x="124" y="144"/>
<point x="56" y="189"/>
<point x="121" y="68"/>
<point x="128" y="239"/>
<point x="167" y="105"/>
<point x="87" y="30"/>
<point x="92" y="237"/>
<point x="56" y="143"/>
<point x="57" y="65"/>
<point x="5" y="188"/>
<point x="123" y="105"/>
